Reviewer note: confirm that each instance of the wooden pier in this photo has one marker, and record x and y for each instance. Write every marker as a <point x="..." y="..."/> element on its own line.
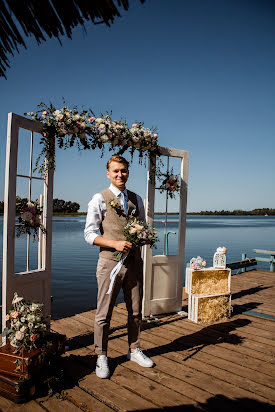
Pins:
<point x="224" y="367"/>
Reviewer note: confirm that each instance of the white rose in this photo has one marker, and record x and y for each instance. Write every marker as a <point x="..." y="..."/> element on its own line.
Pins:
<point x="59" y="116"/>
<point x="19" y="335"/>
<point x="30" y="325"/>
<point x="22" y="329"/>
<point x="18" y="324"/>
<point x="104" y="138"/>
<point x="23" y="319"/>
<point x="83" y="125"/>
<point x="56" y="112"/>
<point x="76" y="117"/>
<point x="99" y="120"/>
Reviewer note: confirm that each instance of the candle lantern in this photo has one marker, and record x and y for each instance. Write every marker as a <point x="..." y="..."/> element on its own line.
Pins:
<point x="219" y="259"/>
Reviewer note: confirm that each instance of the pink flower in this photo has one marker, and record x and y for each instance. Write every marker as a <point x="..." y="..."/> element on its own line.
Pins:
<point x="132" y="230"/>
<point x="92" y="119"/>
<point x="134" y="125"/>
<point x="44" y="114"/>
<point x="155" y="135"/>
<point x="138" y="227"/>
<point x="7" y="317"/>
<point x="78" y="124"/>
<point x="194" y="266"/>
<point x="15" y="315"/>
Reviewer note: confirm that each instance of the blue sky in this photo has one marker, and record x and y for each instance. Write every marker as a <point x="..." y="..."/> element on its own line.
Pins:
<point x="201" y="71"/>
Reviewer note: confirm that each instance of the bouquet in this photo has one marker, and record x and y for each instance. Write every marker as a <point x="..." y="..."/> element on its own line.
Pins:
<point x="30" y="220"/>
<point x="25" y="328"/>
<point x="139" y="234"/>
<point x="197" y="263"/>
<point x="171" y="184"/>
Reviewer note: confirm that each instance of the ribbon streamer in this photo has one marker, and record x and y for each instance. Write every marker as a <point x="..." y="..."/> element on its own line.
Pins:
<point x="114" y="273"/>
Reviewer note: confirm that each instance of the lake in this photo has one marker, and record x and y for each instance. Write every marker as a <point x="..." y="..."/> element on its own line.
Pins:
<point x="74" y="262"/>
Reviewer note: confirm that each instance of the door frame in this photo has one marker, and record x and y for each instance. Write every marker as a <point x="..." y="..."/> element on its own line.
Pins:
<point x="149" y="307"/>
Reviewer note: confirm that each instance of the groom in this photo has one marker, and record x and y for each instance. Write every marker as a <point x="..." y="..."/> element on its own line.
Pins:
<point x="110" y="221"/>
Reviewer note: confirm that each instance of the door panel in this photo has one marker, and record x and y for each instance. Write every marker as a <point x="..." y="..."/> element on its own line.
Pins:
<point x="34" y="285"/>
<point x="164" y="274"/>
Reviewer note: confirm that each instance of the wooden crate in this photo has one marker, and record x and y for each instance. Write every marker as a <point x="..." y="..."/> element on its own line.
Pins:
<point x="208" y="281"/>
<point x="26" y="364"/>
<point x="219" y="308"/>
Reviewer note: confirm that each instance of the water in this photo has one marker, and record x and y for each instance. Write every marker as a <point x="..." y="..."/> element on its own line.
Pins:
<point x="74" y="262"/>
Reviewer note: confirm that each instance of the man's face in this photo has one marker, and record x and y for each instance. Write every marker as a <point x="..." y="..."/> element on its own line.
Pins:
<point x="118" y="173"/>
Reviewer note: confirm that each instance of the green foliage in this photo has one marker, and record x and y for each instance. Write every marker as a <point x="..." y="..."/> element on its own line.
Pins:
<point x="61" y="206"/>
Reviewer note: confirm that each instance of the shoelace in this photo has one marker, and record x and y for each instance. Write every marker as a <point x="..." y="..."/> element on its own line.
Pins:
<point x="141" y="353"/>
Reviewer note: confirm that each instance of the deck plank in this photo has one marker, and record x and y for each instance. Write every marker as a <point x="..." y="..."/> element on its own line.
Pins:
<point x="225" y="366"/>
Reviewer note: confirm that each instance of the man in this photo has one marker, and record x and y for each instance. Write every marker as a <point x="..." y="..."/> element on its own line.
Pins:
<point x="110" y="221"/>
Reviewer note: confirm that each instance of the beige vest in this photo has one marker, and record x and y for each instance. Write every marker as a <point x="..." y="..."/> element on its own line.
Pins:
<point x="114" y="221"/>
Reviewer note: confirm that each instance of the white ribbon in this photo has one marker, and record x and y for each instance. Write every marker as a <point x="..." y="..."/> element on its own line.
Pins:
<point x="114" y="273"/>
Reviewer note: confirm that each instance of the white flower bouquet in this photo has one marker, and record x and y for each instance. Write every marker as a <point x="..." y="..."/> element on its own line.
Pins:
<point x="139" y="234"/>
<point x="30" y="220"/>
<point x="197" y="263"/>
<point x="26" y="328"/>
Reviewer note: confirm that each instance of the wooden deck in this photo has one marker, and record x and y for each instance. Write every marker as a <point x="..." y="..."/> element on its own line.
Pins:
<point x="224" y="367"/>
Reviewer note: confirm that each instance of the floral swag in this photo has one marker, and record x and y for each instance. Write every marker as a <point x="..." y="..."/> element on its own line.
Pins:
<point x="86" y="131"/>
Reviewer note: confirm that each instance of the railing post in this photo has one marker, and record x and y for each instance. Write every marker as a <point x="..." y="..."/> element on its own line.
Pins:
<point x="272" y="261"/>
<point x="243" y="258"/>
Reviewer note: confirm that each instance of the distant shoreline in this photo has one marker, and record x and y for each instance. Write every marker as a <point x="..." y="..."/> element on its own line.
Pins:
<point x="255" y="212"/>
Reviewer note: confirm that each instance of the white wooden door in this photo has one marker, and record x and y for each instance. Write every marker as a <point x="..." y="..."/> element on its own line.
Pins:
<point x="34" y="285"/>
<point x="164" y="274"/>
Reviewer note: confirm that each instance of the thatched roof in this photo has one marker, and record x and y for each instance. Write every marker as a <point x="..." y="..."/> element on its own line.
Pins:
<point x="52" y="18"/>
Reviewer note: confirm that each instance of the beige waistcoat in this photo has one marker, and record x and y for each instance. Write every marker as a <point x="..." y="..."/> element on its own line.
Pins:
<point x="114" y="221"/>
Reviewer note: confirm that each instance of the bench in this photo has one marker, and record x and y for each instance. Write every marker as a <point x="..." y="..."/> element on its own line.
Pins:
<point x="242" y="264"/>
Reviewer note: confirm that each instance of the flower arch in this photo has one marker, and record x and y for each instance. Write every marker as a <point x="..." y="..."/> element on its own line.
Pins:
<point x="70" y="127"/>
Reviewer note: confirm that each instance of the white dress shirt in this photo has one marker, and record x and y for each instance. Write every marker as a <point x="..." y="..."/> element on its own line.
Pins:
<point x="97" y="211"/>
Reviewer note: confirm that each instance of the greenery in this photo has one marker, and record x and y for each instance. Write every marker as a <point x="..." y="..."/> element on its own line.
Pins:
<point x="66" y="128"/>
<point x="61" y="206"/>
<point x="238" y="212"/>
<point x="71" y="208"/>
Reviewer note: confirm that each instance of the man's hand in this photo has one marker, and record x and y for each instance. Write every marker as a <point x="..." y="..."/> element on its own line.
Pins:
<point x="122" y="245"/>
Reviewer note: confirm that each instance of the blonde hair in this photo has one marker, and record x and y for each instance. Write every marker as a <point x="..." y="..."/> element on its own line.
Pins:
<point x="118" y="159"/>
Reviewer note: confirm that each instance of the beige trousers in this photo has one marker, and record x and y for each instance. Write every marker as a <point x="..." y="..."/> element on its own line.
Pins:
<point x="130" y="279"/>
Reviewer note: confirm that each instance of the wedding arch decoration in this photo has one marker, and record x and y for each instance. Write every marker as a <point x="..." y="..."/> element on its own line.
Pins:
<point x="72" y="127"/>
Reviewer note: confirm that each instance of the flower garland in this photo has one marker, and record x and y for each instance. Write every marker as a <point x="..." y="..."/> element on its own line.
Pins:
<point x="26" y="328"/>
<point x="30" y="220"/>
<point x="70" y="127"/>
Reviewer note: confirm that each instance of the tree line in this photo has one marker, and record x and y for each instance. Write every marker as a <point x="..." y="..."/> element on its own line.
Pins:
<point x="59" y="205"/>
<point x="238" y="212"/>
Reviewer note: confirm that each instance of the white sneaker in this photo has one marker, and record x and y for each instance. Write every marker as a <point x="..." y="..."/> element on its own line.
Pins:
<point x="139" y="357"/>
<point x="102" y="368"/>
